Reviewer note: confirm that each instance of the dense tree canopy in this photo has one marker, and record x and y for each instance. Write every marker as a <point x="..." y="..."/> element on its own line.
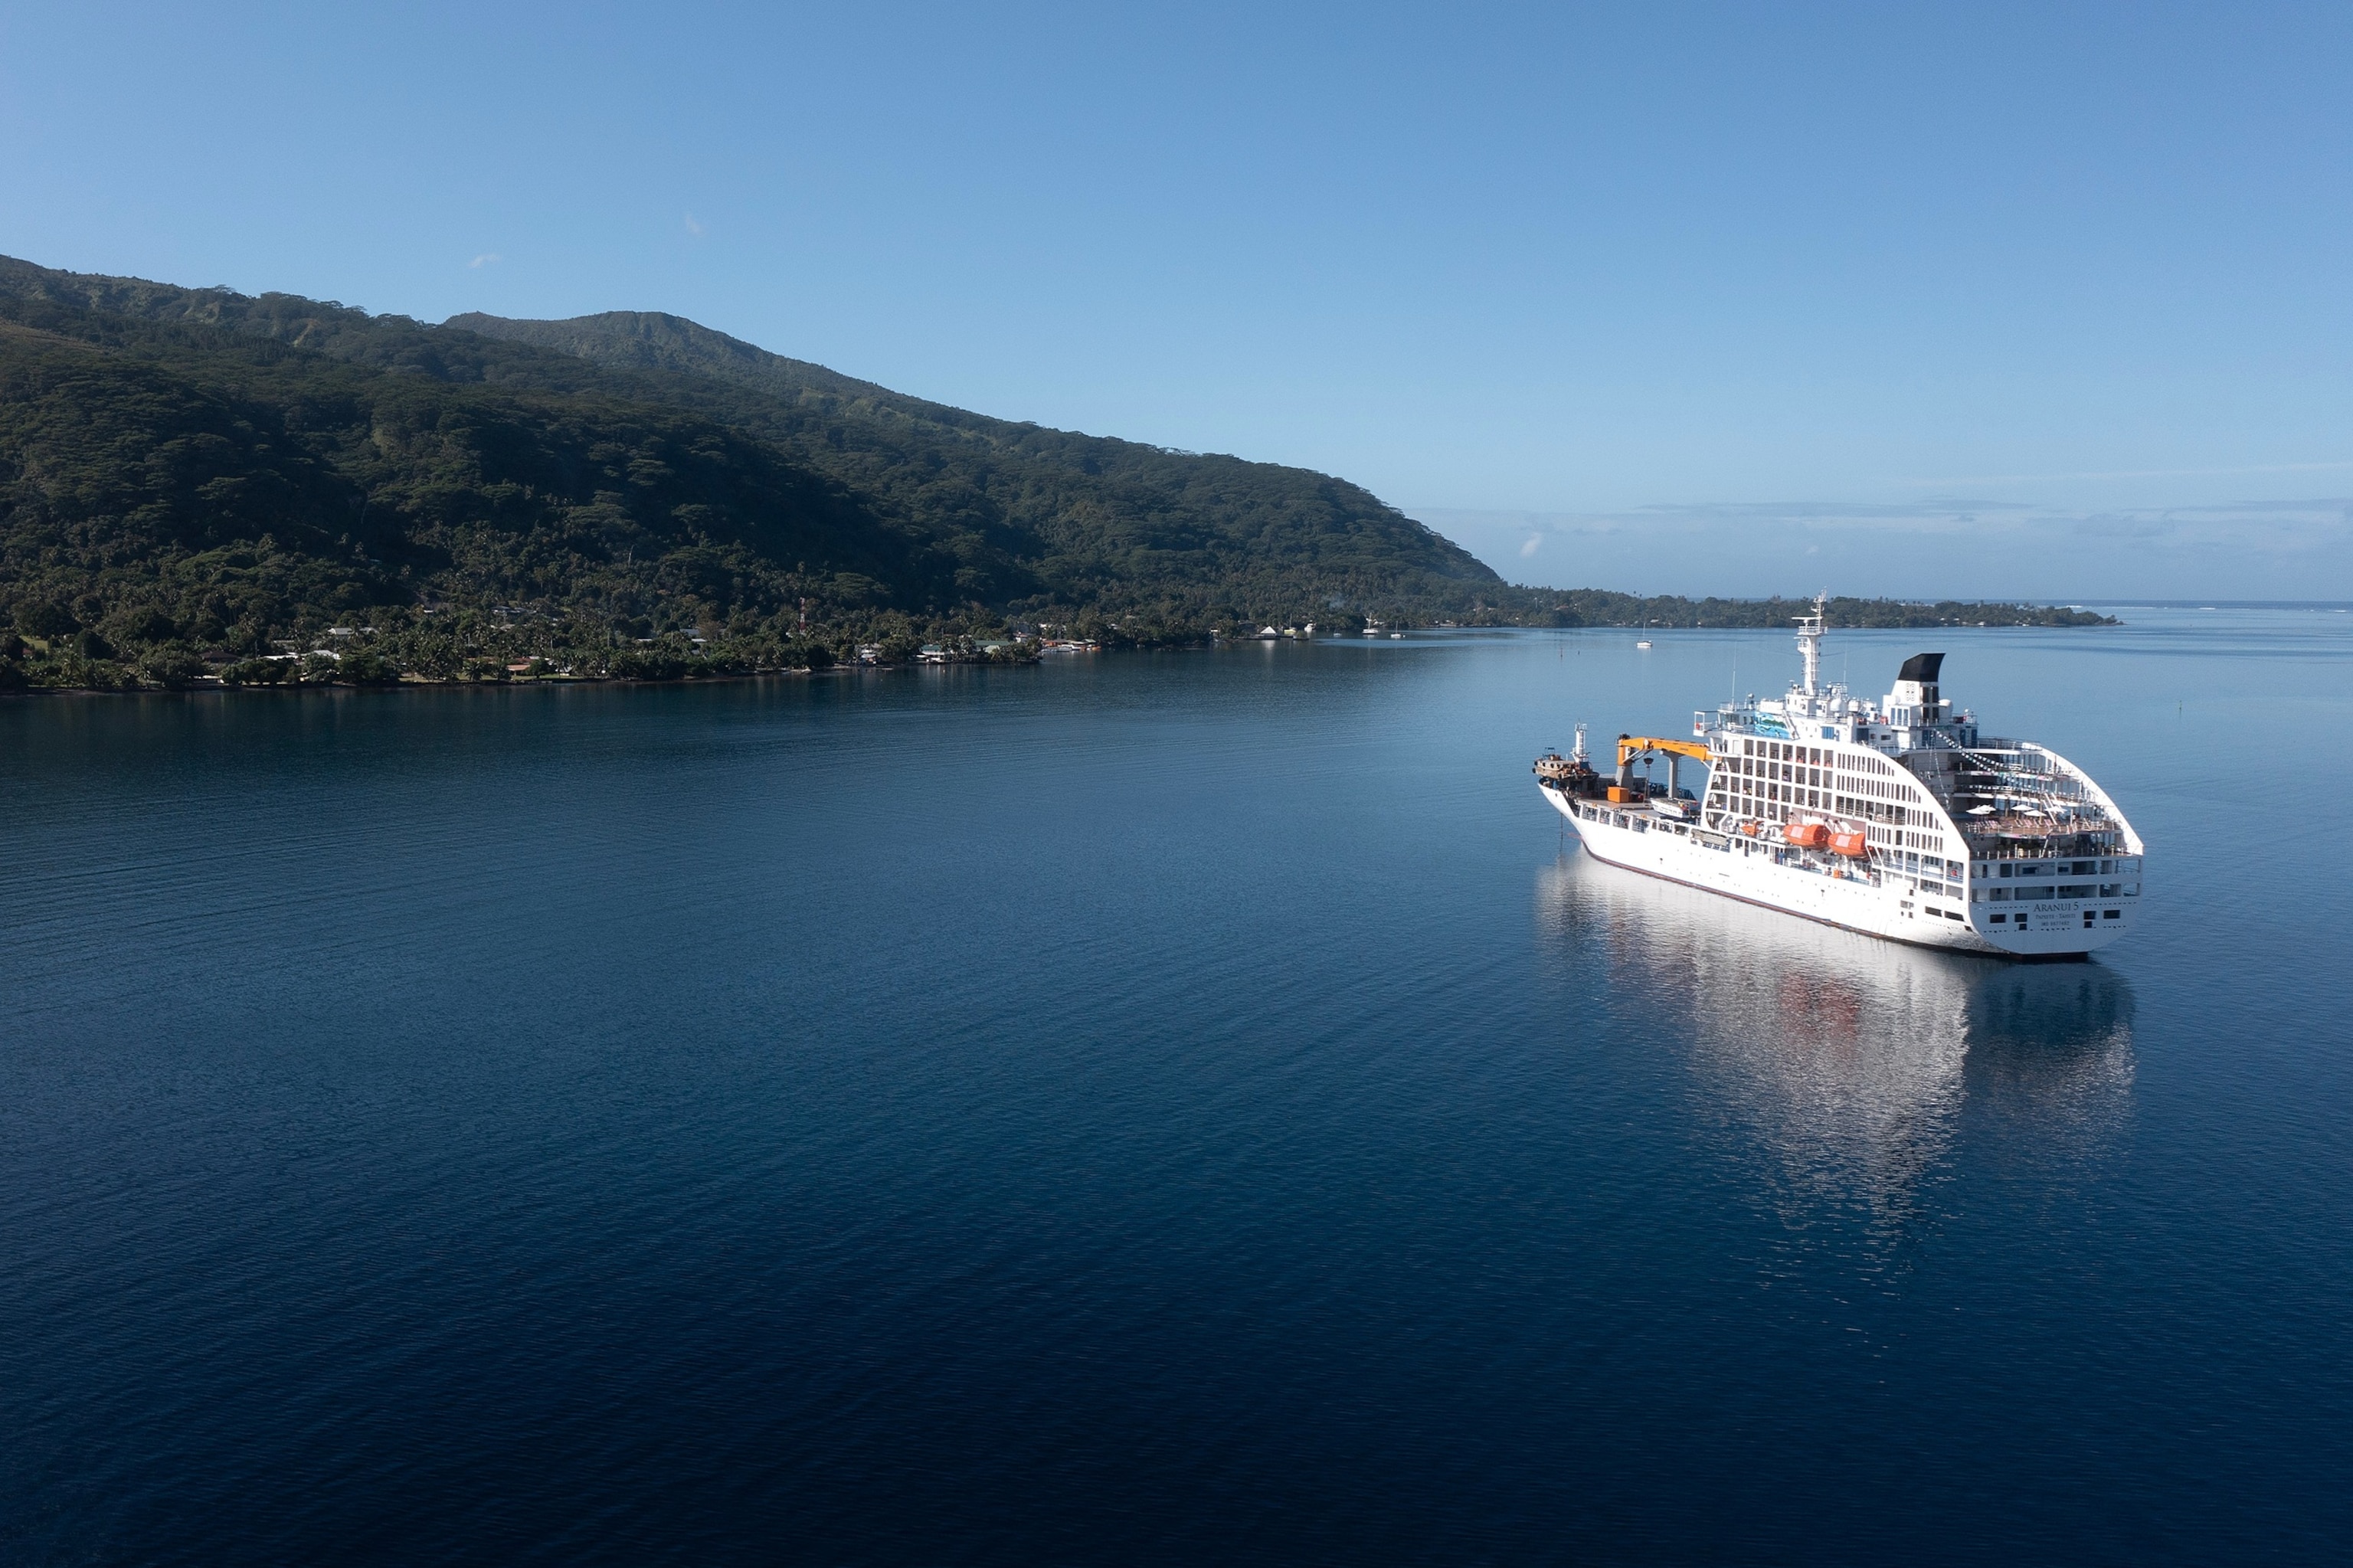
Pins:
<point x="193" y="479"/>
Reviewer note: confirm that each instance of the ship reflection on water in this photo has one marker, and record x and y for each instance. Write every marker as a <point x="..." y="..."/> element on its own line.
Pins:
<point x="1860" y="1064"/>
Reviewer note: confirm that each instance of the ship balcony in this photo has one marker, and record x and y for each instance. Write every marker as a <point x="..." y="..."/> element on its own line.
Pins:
<point x="2016" y="835"/>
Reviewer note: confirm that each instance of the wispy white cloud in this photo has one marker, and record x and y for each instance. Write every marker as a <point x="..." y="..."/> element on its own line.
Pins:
<point x="692" y="226"/>
<point x="2138" y="474"/>
<point x="1957" y="545"/>
<point x="486" y="259"/>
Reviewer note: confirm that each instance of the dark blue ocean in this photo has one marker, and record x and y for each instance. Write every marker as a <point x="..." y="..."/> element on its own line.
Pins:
<point x="1191" y="1108"/>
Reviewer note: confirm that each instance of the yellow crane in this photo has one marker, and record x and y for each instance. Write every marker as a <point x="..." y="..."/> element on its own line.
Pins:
<point x="1630" y="747"/>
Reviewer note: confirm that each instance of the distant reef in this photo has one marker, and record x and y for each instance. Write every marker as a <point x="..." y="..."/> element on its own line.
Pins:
<point x="197" y="485"/>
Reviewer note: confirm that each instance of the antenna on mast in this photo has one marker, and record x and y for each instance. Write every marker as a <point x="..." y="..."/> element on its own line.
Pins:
<point x="1810" y="641"/>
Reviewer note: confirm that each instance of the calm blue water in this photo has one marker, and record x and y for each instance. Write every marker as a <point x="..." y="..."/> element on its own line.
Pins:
<point x="1175" y="1108"/>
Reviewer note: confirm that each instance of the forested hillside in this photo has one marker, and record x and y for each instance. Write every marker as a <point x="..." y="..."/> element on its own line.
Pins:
<point x="193" y="479"/>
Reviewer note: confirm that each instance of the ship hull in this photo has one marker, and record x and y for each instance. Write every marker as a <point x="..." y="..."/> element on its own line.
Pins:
<point x="1636" y="838"/>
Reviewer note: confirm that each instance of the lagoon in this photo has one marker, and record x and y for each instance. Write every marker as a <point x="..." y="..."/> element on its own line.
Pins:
<point x="1154" y="1106"/>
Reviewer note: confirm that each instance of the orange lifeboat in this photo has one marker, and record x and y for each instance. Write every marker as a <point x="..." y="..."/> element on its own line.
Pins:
<point x="1851" y="841"/>
<point x="1806" y="835"/>
<point x="1750" y="829"/>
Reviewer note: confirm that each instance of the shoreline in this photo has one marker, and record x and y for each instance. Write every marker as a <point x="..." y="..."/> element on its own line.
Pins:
<point x="201" y="685"/>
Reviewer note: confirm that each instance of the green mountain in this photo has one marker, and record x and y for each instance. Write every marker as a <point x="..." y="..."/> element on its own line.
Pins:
<point x="195" y="479"/>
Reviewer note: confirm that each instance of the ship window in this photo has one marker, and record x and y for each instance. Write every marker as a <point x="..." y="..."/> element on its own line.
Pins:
<point x="2111" y="913"/>
<point x="1999" y="919"/>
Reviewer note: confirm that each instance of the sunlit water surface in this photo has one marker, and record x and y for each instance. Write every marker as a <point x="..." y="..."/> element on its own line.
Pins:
<point x="1188" y="1107"/>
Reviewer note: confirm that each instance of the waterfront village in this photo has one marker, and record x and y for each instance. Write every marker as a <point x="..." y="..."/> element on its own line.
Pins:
<point x="339" y="653"/>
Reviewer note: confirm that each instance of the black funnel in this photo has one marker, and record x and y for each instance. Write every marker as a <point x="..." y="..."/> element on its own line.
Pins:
<point x="1921" y="667"/>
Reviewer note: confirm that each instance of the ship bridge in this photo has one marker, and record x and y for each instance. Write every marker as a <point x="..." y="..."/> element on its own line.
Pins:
<point x="1914" y="715"/>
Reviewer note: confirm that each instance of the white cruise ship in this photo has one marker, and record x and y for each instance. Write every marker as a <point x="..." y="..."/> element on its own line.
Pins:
<point x="1897" y="820"/>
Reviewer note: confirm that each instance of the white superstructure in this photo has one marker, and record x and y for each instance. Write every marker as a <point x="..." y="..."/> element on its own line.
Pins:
<point x="1897" y="819"/>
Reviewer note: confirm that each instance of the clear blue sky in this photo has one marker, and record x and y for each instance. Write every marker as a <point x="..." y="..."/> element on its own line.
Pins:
<point x="2035" y="299"/>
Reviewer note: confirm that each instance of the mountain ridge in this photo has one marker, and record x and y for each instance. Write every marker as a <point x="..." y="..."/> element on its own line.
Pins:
<point x="657" y="340"/>
<point x="196" y="479"/>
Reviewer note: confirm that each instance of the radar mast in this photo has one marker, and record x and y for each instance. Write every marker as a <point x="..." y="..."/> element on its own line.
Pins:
<point x="1809" y="642"/>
